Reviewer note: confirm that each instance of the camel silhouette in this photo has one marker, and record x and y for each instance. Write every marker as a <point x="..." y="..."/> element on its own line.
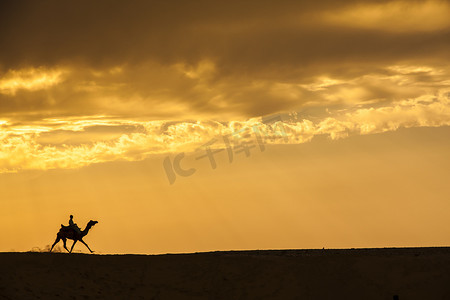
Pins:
<point x="66" y="232"/>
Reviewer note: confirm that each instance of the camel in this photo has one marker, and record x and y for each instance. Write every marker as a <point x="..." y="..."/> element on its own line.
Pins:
<point x="67" y="232"/>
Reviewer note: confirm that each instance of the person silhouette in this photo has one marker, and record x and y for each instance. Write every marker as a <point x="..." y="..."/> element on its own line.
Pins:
<point x="73" y="225"/>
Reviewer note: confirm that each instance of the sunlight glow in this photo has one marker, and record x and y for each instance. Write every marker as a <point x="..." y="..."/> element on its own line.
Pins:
<point x="397" y="16"/>
<point x="29" y="79"/>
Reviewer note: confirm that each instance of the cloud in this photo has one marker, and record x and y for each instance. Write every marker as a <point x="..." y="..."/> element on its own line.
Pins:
<point x="176" y="92"/>
<point x="84" y="82"/>
<point x="29" y="79"/>
<point x="395" y="16"/>
<point x="241" y="38"/>
<point x="171" y="61"/>
<point x="29" y="147"/>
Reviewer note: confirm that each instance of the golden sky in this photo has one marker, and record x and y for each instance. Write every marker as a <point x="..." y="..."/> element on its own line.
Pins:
<point x="328" y="122"/>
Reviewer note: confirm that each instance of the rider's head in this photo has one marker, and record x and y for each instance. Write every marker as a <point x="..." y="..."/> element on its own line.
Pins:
<point x="71" y="216"/>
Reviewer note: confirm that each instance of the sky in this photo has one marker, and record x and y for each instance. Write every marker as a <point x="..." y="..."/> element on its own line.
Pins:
<point x="197" y="126"/>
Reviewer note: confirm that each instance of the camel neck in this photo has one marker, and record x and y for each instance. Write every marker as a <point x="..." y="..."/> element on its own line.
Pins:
<point x="86" y="230"/>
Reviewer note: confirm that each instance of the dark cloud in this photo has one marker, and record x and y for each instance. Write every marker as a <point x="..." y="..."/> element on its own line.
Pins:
<point x="254" y="34"/>
<point x="254" y="46"/>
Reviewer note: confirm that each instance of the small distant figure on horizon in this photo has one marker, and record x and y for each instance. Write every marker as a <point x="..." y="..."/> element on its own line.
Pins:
<point x="73" y="232"/>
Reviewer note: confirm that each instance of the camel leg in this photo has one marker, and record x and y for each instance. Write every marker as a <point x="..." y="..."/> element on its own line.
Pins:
<point x="65" y="247"/>
<point x="56" y="242"/>
<point x="86" y="245"/>
<point x="74" y="242"/>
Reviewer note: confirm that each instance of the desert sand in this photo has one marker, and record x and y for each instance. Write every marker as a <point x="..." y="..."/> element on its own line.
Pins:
<point x="406" y="273"/>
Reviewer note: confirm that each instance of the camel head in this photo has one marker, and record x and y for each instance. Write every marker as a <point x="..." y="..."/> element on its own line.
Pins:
<point x="92" y="223"/>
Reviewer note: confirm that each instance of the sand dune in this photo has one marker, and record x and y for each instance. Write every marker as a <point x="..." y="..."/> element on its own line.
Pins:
<point x="409" y="273"/>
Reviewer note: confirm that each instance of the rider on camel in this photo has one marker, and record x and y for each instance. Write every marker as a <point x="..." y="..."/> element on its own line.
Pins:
<point x="74" y="226"/>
